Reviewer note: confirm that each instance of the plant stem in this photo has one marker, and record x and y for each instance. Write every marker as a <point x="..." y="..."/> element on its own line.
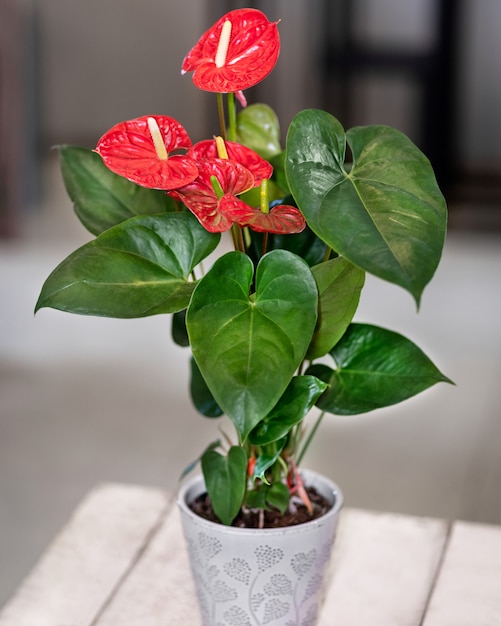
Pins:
<point x="247" y="237"/>
<point x="238" y="238"/>
<point x="234" y="237"/>
<point x="220" y="112"/>
<point x="265" y="244"/>
<point x="232" y="117"/>
<point x="309" y="438"/>
<point x="301" y="367"/>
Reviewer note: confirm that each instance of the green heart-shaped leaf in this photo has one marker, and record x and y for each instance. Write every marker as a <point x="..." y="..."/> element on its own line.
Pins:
<point x="297" y="400"/>
<point x="102" y="199"/>
<point x="248" y="345"/>
<point x="200" y="394"/>
<point x="137" y="268"/>
<point x="385" y="213"/>
<point x="376" y="367"/>
<point x="178" y="329"/>
<point x="278" y="496"/>
<point x="339" y="285"/>
<point x="266" y="459"/>
<point x="264" y="496"/>
<point x="225" y="480"/>
<point x="259" y="129"/>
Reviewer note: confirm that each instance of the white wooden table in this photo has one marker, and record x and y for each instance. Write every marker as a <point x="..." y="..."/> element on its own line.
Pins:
<point x="121" y="561"/>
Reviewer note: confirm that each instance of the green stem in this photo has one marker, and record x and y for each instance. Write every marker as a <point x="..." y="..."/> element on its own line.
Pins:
<point x="247" y="237"/>
<point x="264" y="204"/>
<point x="232" y="117"/>
<point x="220" y="112"/>
<point x="310" y="437"/>
<point x="276" y="471"/>
<point x="284" y="466"/>
<point x="241" y="239"/>
<point x="238" y="238"/>
<point x="234" y="236"/>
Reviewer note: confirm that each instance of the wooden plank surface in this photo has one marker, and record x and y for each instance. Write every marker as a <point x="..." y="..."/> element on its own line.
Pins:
<point x="160" y="590"/>
<point x="78" y="574"/>
<point x="468" y="591"/>
<point x="383" y="569"/>
<point x="121" y="561"/>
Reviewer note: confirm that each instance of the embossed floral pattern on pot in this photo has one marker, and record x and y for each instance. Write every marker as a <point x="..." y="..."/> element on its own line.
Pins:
<point x="249" y="577"/>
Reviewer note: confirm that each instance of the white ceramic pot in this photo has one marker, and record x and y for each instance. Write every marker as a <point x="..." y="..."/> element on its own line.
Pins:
<point x="255" y="577"/>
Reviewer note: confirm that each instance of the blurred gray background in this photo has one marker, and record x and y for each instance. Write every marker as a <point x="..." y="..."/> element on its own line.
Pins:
<point x="86" y="400"/>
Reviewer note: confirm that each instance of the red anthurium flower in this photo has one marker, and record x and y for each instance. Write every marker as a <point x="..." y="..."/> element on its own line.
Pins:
<point x="259" y="167"/>
<point x="139" y="150"/>
<point x="200" y="196"/>
<point x="236" y="53"/>
<point x="282" y="219"/>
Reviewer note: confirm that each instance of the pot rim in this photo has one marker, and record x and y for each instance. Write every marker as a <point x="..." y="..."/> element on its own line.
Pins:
<point x="195" y="486"/>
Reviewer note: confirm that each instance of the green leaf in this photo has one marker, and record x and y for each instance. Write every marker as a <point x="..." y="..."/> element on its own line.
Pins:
<point x="278" y="496"/>
<point x="258" y="128"/>
<point x="137" y="268"/>
<point x="297" y="400"/>
<point x="385" y="214"/>
<point x="376" y="367"/>
<point x="275" y="495"/>
<point x="278" y="163"/>
<point x="248" y="346"/>
<point x="200" y="394"/>
<point x="178" y="329"/>
<point x="339" y="285"/>
<point x="256" y="498"/>
<point x="225" y="479"/>
<point x="102" y="199"/>
<point x="267" y="459"/>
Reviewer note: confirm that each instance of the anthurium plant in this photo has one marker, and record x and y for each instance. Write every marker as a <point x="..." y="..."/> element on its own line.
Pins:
<point x="270" y="322"/>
